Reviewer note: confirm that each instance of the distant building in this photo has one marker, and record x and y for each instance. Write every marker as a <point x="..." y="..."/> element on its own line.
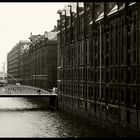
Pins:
<point x="34" y="62"/>
<point x="14" y="62"/>
<point x="39" y="63"/>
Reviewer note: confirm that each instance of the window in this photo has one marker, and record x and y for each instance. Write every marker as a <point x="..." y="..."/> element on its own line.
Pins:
<point x="116" y="97"/>
<point x="122" y="52"/>
<point x="111" y="44"/>
<point x="116" y="78"/>
<point x="128" y="76"/>
<point x="82" y="25"/>
<point x="122" y="76"/>
<point x="122" y="96"/>
<point x="135" y="37"/>
<point x="110" y="75"/>
<point x="134" y="98"/>
<point x="135" y="75"/>
<point x="116" y="42"/>
<point x="87" y="25"/>
<point x="102" y="93"/>
<point x="110" y="94"/>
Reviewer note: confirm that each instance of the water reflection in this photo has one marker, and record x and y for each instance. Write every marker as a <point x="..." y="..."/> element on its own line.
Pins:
<point x="37" y="123"/>
<point x="13" y="103"/>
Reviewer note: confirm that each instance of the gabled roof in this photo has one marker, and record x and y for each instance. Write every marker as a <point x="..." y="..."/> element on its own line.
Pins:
<point x="52" y="35"/>
<point x="122" y="7"/>
<point x="132" y="3"/>
<point x="33" y="38"/>
<point x="67" y="10"/>
<point x="55" y="38"/>
<point x="100" y="16"/>
<point x="115" y="9"/>
<point x="73" y="6"/>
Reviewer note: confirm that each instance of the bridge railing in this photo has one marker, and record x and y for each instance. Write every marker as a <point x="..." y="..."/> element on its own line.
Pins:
<point x="24" y="90"/>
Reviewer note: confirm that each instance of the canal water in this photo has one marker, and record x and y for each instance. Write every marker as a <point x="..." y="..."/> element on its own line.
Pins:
<point x="19" y="117"/>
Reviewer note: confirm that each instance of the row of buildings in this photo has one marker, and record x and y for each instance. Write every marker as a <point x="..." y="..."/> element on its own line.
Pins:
<point x="94" y="61"/>
<point x="28" y="62"/>
<point x="99" y="62"/>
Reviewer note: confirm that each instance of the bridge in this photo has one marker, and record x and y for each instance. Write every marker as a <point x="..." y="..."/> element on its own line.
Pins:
<point x="21" y="90"/>
<point x="28" y="91"/>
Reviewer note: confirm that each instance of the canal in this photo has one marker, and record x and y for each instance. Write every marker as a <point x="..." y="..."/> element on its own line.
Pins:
<point x="19" y="117"/>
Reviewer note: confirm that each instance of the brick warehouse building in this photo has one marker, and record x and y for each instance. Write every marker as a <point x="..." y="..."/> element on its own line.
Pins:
<point x="36" y="67"/>
<point x="14" y="62"/>
<point x="35" y="63"/>
<point x="99" y="62"/>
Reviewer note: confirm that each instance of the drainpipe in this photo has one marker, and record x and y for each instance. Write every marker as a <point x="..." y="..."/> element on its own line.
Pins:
<point x="100" y="36"/>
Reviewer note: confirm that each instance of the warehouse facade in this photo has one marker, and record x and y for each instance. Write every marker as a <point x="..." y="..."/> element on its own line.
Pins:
<point x="43" y="61"/>
<point x="14" y="62"/>
<point x="36" y="62"/>
<point x="98" y="63"/>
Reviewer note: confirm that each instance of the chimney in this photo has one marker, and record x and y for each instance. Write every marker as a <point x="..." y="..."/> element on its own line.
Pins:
<point x="46" y="34"/>
<point x="58" y="25"/>
<point x="30" y="37"/>
<point x="30" y="34"/>
<point x="55" y="28"/>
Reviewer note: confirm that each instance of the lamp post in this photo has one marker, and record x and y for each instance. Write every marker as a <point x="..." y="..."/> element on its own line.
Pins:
<point x="39" y="64"/>
<point x="31" y="60"/>
<point x="30" y="50"/>
<point x="60" y="13"/>
<point x="35" y="65"/>
<point x="127" y="23"/>
<point x="77" y="7"/>
<point x="60" y="88"/>
<point x="42" y="63"/>
<point x="45" y="44"/>
<point x="32" y="63"/>
<point x="70" y="22"/>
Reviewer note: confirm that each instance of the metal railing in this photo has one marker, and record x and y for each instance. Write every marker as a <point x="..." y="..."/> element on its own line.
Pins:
<point x="24" y="90"/>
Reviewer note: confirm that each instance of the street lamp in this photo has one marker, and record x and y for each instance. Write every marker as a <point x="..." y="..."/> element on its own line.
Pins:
<point x="35" y="63"/>
<point x="43" y="57"/>
<point x="60" y="50"/>
<point x="30" y="52"/>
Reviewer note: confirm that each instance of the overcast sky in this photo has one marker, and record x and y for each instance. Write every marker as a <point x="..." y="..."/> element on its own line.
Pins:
<point x="18" y="20"/>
